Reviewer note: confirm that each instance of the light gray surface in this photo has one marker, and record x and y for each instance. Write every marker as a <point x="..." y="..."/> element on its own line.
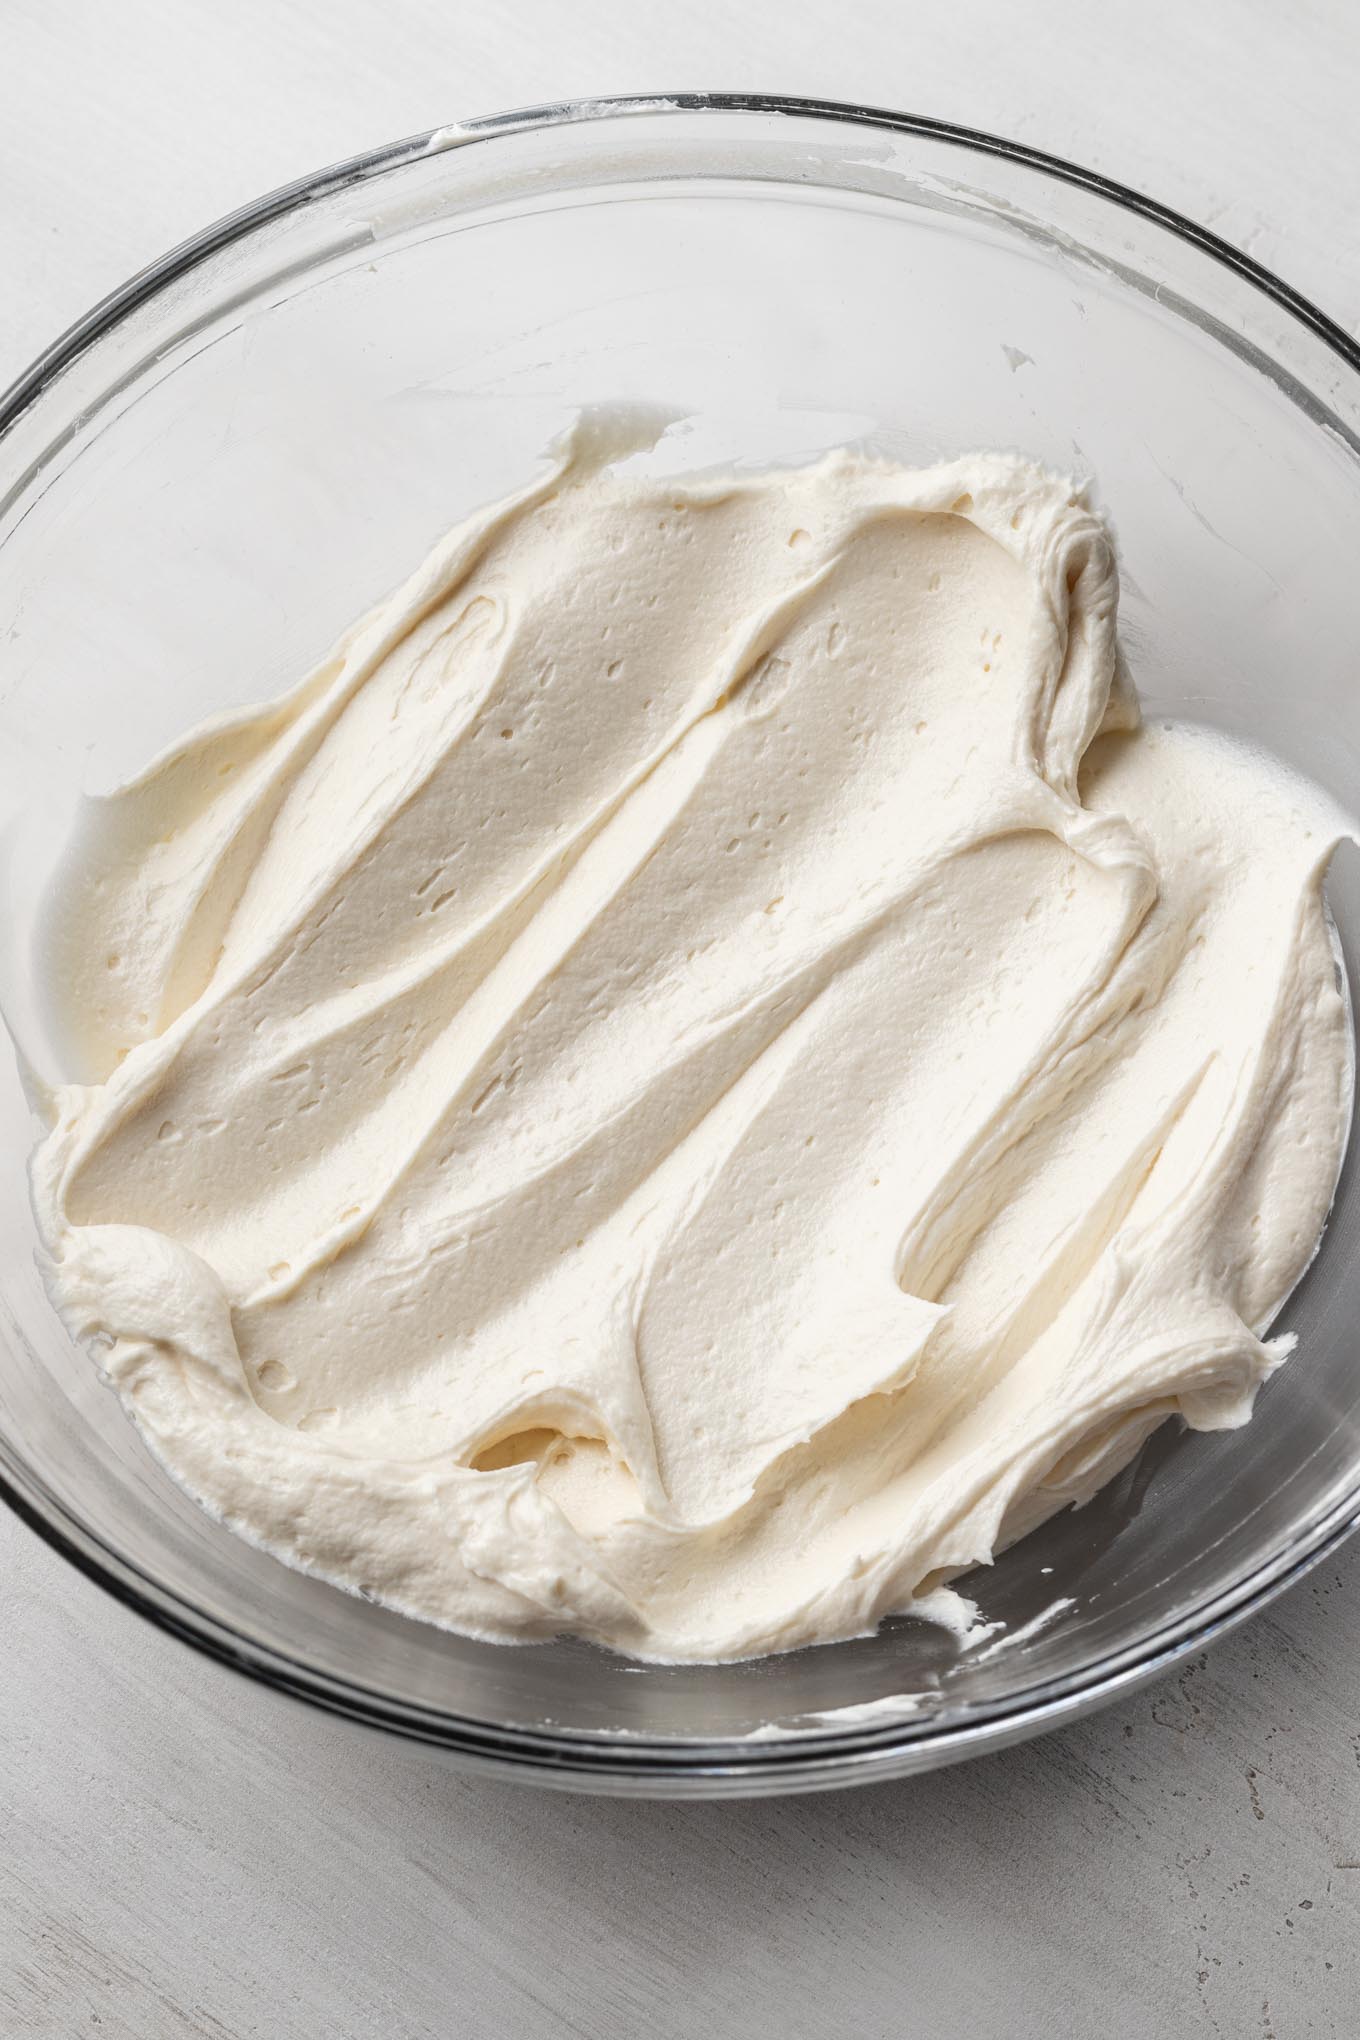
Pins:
<point x="187" y="1855"/>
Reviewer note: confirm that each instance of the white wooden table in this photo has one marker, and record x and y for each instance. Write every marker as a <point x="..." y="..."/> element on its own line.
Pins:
<point x="182" y="1854"/>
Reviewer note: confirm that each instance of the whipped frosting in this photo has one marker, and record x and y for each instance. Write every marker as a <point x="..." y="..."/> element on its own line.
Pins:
<point x="701" y="1074"/>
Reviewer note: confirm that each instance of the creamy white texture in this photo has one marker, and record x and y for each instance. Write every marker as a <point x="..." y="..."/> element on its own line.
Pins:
<point x="702" y="1073"/>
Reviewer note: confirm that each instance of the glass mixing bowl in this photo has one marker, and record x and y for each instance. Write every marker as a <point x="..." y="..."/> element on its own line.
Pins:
<point x="213" y="473"/>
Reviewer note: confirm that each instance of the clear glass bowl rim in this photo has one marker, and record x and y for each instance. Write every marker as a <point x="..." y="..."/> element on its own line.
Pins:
<point x="606" y="1762"/>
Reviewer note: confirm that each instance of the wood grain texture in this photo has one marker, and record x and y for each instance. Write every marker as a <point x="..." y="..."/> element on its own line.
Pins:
<point x="186" y="1855"/>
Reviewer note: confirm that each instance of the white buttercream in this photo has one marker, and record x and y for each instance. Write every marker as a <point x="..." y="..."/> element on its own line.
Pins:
<point x="700" y="1074"/>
